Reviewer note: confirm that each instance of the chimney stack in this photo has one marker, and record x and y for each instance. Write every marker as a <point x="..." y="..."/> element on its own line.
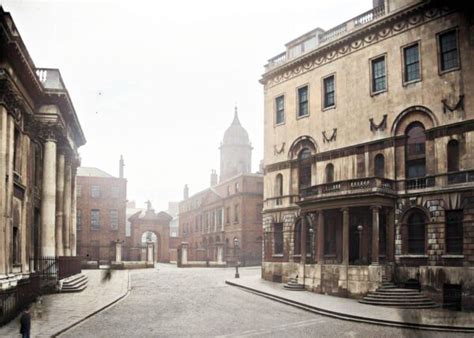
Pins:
<point x="213" y="178"/>
<point x="121" y="165"/>
<point x="186" y="192"/>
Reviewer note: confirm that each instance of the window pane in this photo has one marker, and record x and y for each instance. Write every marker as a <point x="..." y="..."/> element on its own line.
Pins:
<point x="449" y="50"/>
<point x="412" y="63"/>
<point x="454" y="232"/>
<point x="303" y="101"/>
<point x="280" y="110"/>
<point x="378" y="75"/>
<point x="416" y="233"/>
<point x="278" y="238"/>
<point x="329" y="91"/>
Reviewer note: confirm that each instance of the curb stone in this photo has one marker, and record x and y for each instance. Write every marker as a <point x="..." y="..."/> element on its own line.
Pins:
<point x="343" y="316"/>
<point x="105" y="307"/>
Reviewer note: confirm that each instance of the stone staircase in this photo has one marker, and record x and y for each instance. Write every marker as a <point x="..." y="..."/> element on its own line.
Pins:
<point x="391" y="295"/>
<point x="74" y="283"/>
<point x="293" y="285"/>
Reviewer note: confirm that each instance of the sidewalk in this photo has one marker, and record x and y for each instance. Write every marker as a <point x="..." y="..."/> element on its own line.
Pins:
<point x="350" y="309"/>
<point x="60" y="311"/>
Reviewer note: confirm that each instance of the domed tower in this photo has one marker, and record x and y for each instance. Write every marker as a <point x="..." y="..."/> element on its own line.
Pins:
<point x="236" y="150"/>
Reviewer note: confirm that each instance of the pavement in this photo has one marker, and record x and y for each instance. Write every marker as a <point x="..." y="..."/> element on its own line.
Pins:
<point x="350" y="309"/>
<point x="54" y="313"/>
<point x="196" y="302"/>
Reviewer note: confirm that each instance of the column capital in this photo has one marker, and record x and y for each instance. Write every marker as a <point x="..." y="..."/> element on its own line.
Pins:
<point x="345" y="209"/>
<point x="375" y="207"/>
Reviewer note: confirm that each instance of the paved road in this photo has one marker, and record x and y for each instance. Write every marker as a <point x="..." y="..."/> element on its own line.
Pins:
<point x="174" y="302"/>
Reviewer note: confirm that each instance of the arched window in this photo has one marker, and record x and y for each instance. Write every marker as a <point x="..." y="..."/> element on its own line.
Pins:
<point x="279" y="188"/>
<point x="304" y="172"/>
<point x="379" y="165"/>
<point x="329" y="173"/>
<point x="297" y="239"/>
<point x="415" y="150"/>
<point x="453" y="156"/>
<point x="416" y="233"/>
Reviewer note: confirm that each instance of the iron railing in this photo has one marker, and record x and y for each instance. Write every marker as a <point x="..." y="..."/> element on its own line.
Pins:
<point x="13" y="300"/>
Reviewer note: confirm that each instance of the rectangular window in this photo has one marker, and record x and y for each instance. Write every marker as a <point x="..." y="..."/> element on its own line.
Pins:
<point x="114" y="192"/>
<point x="227" y="215"/>
<point x="114" y="219"/>
<point x="236" y="213"/>
<point x="258" y="214"/>
<point x="411" y="56"/>
<point x="78" y="219"/>
<point x="95" y="191"/>
<point x="237" y="187"/>
<point x="379" y="82"/>
<point x="329" y="91"/>
<point x="280" y="109"/>
<point x="278" y="239"/>
<point x="449" y="55"/>
<point x="79" y="190"/>
<point x="303" y="101"/>
<point x="95" y="219"/>
<point x="454" y="232"/>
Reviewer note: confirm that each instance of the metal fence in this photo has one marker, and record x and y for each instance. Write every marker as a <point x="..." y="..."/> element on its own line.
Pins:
<point x="14" y="300"/>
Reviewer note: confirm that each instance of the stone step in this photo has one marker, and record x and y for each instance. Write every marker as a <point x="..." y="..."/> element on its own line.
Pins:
<point x="399" y="300"/>
<point x="75" y="283"/>
<point x="404" y="306"/>
<point x="385" y="296"/>
<point x="398" y="290"/>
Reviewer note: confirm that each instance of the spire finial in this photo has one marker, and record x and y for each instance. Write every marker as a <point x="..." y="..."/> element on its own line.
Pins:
<point x="236" y="116"/>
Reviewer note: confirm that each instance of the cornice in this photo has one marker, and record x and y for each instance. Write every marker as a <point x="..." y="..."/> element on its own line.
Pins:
<point x="379" y="30"/>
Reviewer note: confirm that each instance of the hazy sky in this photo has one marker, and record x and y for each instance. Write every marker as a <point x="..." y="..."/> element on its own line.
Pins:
<point x="157" y="81"/>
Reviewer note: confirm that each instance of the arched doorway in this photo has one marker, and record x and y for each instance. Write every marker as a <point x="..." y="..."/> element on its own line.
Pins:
<point x="149" y="236"/>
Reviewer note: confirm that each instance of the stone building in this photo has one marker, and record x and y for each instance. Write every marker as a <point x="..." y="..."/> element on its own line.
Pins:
<point x="39" y="139"/>
<point x="148" y="226"/>
<point x="101" y="213"/>
<point x="227" y="213"/>
<point x="369" y="164"/>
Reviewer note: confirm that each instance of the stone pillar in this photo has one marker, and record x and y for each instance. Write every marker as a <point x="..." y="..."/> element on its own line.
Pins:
<point x="3" y="189"/>
<point x="9" y="193"/>
<point x="220" y="253"/>
<point x="345" y="236"/>
<point x="304" y="226"/>
<point x="149" y="254"/>
<point x="118" y="252"/>
<point x="48" y="199"/>
<point x="184" y="253"/>
<point x="391" y="235"/>
<point x="59" y="203"/>
<point x="320" y="236"/>
<point x="73" y="214"/>
<point x="375" y="235"/>
<point x="67" y="208"/>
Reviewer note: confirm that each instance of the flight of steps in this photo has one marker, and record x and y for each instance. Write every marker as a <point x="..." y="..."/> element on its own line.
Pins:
<point x="74" y="283"/>
<point x="391" y="295"/>
<point x="293" y="285"/>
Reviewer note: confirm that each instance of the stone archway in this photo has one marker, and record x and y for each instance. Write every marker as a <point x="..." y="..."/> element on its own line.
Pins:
<point x="146" y="237"/>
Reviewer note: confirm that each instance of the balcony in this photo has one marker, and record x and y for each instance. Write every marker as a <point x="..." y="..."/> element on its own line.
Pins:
<point x="350" y="187"/>
<point x="330" y="35"/>
<point x="50" y="78"/>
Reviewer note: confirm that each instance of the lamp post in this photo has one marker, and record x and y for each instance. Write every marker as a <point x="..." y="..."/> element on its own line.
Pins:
<point x="360" y="228"/>
<point x="236" y="248"/>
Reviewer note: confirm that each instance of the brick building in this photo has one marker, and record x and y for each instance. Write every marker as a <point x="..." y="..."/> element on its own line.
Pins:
<point x="369" y="160"/>
<point x="100" y="216"/>
<point x="226" y="211"/>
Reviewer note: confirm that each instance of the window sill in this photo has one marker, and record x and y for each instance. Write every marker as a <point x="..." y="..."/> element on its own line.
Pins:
<point x="410" y="83"/>
<point x="329" y="107"/>
<point x="413" y="256"/>
<point x="330" y="256"/>
<point x="299" y="117"/>
<point x="279" y="124"/>
<point x="452" y="256"/>
<point x="442" y="72"/>
<point x="277" y="255"/>
<point x="296" y="256"/>
<point x="378" y="92"/>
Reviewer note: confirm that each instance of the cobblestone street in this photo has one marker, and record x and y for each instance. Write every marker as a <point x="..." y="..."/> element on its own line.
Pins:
<point x="196" y="302"/>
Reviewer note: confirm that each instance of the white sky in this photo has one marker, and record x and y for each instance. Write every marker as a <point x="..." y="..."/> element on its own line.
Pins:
<point x="157" y="81"/>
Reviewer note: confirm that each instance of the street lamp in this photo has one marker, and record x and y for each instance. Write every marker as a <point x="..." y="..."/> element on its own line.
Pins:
<point x="236" y="247"/>
<point x="360" y="228"/>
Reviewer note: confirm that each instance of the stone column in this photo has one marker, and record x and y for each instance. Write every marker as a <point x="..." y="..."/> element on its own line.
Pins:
<point x="67" y="208"/>
<point x="345" y="236"/>
<point x="149" y="253"/>
<point x="9" y="193"/>
<point x="48" y="199"/>
<point x="118" y="252"/>
<point x="59" y="203"/>
<point x="391" y="235"/>
<point x="220" y="253"/>
<point x="304" y="226"/>
<point x="320" y="236"/>
<point x="3" y="189"/>
<point x="184" y="253"/>
<point x="375" y="235"/>
<point x="73" y="214"/>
